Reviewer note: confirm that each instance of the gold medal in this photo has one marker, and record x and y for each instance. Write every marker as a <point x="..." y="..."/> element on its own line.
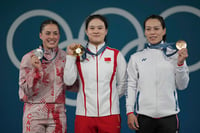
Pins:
<point x="181" y="44"/>
<point x="78" y="50"/>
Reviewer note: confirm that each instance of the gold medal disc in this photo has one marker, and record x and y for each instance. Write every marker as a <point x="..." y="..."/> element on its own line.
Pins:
<point x="79" y="50"/>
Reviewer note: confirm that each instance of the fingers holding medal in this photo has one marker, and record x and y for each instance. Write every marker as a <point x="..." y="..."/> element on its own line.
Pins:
<point x="181" y="45"/>
<point x="36" y="56"/>
<point x="78" y="50"/>
<point x="75" y="49"/>
<point x="38" y="53"/>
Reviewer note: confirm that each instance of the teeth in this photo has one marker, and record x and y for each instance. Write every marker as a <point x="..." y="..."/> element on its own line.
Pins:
<point x="153" y="37"/>
<point x="51" y="41"/>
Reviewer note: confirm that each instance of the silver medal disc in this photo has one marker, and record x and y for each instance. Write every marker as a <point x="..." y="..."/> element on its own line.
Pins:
<point x="39" y="53"/>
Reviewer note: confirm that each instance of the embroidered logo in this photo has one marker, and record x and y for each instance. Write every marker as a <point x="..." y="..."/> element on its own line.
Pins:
<point x="144" y="59"/>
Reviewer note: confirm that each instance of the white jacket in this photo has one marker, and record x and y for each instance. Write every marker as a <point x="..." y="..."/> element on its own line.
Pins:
<point x="152" y="82"/>
<point x="102" y="81"/>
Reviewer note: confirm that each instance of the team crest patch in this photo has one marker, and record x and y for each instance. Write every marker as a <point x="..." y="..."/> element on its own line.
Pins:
<point x="107" y="59"/>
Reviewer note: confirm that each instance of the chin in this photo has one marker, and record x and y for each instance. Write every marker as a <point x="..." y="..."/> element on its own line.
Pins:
<point x="53" y="46"/>
<point x="154" y="42"/>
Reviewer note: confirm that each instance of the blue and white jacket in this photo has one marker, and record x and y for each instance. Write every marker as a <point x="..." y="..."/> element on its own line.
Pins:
<point x="153" y="80"/>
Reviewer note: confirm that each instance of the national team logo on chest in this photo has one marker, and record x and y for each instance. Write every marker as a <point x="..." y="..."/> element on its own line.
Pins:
<point x="107" y="59"/>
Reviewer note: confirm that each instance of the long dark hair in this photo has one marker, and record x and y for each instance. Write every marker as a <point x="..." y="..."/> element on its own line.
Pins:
<point x="159" y="18"/>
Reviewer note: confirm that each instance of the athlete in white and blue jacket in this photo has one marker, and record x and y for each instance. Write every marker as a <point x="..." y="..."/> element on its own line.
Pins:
<point x="153" y="80"/>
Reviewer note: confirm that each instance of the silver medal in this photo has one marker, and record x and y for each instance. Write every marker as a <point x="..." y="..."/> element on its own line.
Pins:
<point x="39" y="53"/>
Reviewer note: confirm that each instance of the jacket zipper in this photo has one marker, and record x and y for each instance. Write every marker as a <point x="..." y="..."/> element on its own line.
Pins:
<point x="97" y="85"/>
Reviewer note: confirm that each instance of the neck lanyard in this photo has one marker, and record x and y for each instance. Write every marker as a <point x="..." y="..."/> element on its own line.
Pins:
<point x="46" y="58"/>
<point x="163" y="47"/>
<point x="91" y="53"/>
<point x="50" y="59"/>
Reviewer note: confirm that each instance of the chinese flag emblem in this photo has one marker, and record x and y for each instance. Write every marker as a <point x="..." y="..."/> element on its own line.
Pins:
<point x="107" y="59"/>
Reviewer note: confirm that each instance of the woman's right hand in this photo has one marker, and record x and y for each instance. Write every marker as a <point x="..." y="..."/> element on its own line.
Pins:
<point x="71" y="48"/>
<point x="133" y="122"/>
<point x="36" y="62"/>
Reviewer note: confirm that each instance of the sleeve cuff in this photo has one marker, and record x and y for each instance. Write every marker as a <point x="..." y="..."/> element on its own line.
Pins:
<point x="180" y="64"/>
<point x="129" y="113"/>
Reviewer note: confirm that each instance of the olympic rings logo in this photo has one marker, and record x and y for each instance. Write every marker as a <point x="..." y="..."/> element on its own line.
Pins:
<point x="139" y="42"/>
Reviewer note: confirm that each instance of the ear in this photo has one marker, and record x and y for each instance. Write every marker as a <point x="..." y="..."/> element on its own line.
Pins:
<point x="106" y="31"/>
<point x="164" y="32"/>
<point x="40" y="35"/>
<point x="86" y="32"/>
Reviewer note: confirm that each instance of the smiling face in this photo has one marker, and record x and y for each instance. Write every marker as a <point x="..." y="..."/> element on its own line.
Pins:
<point x="96" y="31"/>
<point x="50" y="36"/>
<point x="154" y="31"/>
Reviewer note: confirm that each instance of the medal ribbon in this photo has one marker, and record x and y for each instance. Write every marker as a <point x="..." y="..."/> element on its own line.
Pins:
<point x="91" y="53"/>
<point x="46" y="58"/>
<point x="163" y="47"/>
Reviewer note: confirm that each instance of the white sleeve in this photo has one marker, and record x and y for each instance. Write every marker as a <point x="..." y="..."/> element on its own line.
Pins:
<point x="182" y="76"/>
<point x="70" y="70"/>
<point x="132" y="85"/>
<point x="121" y="75"/>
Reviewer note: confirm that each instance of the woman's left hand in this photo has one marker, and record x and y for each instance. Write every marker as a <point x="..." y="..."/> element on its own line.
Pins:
<point x="182" y="55"/>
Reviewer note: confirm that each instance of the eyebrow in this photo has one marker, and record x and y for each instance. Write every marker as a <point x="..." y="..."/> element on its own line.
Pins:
<point x="96" y="26"/>
<point x="153" y="26"/>
<point x="51" y="31"/>
<point x="146" y="27"/>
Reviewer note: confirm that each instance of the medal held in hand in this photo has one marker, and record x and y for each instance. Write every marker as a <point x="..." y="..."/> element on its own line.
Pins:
<point x="39" y="53"/>
<point x="78" y="50"/>
<point x="181" y="44"/>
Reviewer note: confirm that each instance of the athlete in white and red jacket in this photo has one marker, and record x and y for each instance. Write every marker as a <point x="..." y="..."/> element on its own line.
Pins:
<point x="102" y="79"/>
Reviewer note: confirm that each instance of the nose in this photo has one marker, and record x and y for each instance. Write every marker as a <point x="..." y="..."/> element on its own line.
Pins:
<point x="96" y="30"/>
<point x="51" y="35"/>
<point x="152" y="31"/>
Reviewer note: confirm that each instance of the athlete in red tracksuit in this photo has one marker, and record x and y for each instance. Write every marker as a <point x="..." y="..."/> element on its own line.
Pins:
<point x="102" y="78"/>
<point x="41" y="85"/>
